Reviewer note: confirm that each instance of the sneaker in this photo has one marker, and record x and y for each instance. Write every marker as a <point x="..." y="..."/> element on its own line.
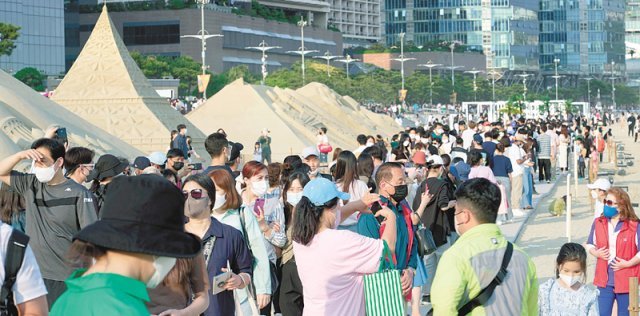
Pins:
<point x="499" y="222"/>
<point x="518" y="213"/>
<point x="548" y="181"/>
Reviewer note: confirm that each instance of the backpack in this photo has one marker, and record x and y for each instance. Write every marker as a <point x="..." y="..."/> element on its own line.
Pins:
<point x="16" y="248"/>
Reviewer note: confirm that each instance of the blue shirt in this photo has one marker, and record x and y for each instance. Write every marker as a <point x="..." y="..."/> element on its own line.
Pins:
<point x="368" y="226"/>
<point x="489" y="148"/>
<point x="229" y="245"/>
<point x="501" y="166"/>
<point x="180" y="142"/>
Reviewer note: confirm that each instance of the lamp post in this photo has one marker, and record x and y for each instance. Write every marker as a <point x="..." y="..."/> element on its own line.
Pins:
<point x="302" y="23"/>
<point x="430" y="65"/>
<point x="263" y="47"/>
<point x="524" y="83"/>
<point x="203" y="35"/>
<point x="402" y="59"/>
<point x="494" y="74"/>
<point x="347" y="60"/>
<point x="475" y="73"/>
<point x="556" y="77"/>
<point x="328" y="57"/>
<point x="613" y="87"/>
<point x="588" y="80"/>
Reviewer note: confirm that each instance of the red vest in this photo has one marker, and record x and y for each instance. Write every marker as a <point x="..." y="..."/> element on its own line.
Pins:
<point x="626" y="248"/>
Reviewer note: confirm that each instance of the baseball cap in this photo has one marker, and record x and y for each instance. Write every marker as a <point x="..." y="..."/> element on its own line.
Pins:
<point x="320" y="191"/>
<point x="478" y="139"/>
<point x="235" y="150"/>
<point x="435" y="160"/>
<point x="157" y="158"/>
<point x="309" y="151"/>
<point x="600" y="184"/>
<point x="141" y="162"/>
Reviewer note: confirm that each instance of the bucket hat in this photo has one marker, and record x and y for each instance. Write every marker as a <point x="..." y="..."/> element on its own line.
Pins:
<point x="107" y="166"/>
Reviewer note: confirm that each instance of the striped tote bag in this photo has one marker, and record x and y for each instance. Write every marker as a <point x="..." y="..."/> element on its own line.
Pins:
<point x="383" y="290"/>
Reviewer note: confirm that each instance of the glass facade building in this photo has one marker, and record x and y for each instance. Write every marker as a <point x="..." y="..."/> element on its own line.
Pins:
<point x="505" y="30"/>
<point x="41" y="41"/>
<point x="632" y="39"/>
<point x="584" y="35"/>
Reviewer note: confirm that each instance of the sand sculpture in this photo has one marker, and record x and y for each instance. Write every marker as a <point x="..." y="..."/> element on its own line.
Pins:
<point x="25" y="115"/>
<point x="105" y="87"/>
<point x="292" y="116"/>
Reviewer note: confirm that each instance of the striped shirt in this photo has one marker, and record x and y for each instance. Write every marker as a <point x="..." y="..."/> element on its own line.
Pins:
<point x="544" y="141"/>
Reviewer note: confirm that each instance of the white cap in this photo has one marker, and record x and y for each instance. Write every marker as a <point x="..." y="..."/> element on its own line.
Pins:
<point x="600" y="184"/>
<point x="310" y="151"/>
<point x="157" y="158"/>
<point x="434" y="160"/>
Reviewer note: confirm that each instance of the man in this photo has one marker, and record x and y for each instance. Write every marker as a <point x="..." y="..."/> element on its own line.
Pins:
<point x="311" y="157"/>
<point x="265" y="145"/>
<point x="219" y="149"/>
<point x="56" y="209"/>
<point x="544" y="155"/>
<point x="458" y="151"/>
<point x="362" y="143"/>
<point x="235" y="159"/>
<point x="476" y="146"/>
<point x="516" y="155"/>
<point x="631" y="122"/>
<point x="489" y="145"/>
<point x="139" y="164"/>
<point x="468" y="134"/>
<point x="180" y="142"/>
<point x="175" y="163"/>
<point x="393" y="190"/>
<point x="476" y="258"/>
<point x="554" y="147"/>
<point x="378" y="158"/>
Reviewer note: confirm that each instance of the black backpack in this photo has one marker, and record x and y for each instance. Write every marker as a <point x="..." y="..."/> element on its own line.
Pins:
<point x="13" y="262"/>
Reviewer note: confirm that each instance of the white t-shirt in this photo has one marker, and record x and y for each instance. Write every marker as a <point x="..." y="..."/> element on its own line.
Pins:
<point x="357" y="190"/>
<point x="29" y="284"/>
<point x="467" y="137"/>
<point x="516" y="153"/>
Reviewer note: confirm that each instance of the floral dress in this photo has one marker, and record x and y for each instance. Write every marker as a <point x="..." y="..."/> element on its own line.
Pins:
<point x="556" y="300"/>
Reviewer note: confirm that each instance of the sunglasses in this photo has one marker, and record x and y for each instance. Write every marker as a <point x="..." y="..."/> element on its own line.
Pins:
<point x="610" y="203"/>
<point x="195" y="194"/>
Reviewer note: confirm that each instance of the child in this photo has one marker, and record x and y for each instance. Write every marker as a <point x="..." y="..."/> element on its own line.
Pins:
<point x="567" y="294"/>
<point x="582" y="154"/>
<point x="257" y="152"/>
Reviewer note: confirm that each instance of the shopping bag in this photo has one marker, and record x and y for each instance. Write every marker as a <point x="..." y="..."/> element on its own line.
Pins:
<point x="383" y="290"/>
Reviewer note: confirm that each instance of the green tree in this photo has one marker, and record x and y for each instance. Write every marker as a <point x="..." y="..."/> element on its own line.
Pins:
<point x="8" y="35"/>
<point x="31" y="77"/>
<point x="545" y="106"/>
<point x="514" y="105"/>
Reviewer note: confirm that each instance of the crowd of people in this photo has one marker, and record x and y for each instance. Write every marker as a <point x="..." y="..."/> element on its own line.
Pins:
<point x="165" y="235"/>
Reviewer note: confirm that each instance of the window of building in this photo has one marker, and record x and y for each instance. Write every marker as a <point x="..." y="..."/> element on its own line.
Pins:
<point x="152" y="33"/>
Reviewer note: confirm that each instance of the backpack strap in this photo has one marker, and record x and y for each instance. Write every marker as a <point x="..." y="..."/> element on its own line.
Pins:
<point x="243" y="225"/>
<point x="16" y="249"/>
<point x="486" y="293"/>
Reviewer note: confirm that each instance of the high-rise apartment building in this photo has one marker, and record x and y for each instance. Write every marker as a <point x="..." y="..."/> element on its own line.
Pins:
<point x="632" y="38"/>
<point x="505" y="30"/>
<point x="358" y="20"/>
<point x="584" y="36"/>
<point x="41" y="41"/>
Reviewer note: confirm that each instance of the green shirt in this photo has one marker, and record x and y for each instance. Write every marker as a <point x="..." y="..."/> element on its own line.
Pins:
<point x="101" y="294"/>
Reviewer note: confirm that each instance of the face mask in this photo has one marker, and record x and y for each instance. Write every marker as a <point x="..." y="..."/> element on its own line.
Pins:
<point x="609" y="211"/>
<point x="162" y="265"/>
<point x="194" y="208"/>
<point x="44" y="175"/>
<point x="369" y="144"/>
<point x="401" y="193"/>
<point x="294" y="197"/>
<point x="424" y="140"/>
<point x="314" y="173"/>
<point x="178" y="165"/>
<point x="570" y="280"/>
<point x="440" y="131"/>
<point x="594" y="194"/>
<point x="185" y="131"/>
<point x="259" y="188"/>
<point x="406" y="143"/>
<point x="220" y="200"/>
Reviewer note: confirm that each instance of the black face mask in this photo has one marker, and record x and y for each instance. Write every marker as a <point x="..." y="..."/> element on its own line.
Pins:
<point x="401" y="193"/>
<point x="178" y="165"/>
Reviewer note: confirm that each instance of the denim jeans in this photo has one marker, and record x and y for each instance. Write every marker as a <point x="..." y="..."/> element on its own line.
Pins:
<point x="431" y="263"/>
<point x="527" y="184"/>
<point x="606" y="298"/>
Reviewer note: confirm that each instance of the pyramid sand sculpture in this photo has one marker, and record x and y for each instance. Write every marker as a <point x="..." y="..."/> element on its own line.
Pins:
<point x="25" y="115"/>
<point x="292" y="116"/>
<point x="106" y="87"/>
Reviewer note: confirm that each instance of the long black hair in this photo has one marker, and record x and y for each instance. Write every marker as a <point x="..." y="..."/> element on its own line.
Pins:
<point x="346" y="170"/>
<point x="306" y="223"/>
<point x="303" y="178"/>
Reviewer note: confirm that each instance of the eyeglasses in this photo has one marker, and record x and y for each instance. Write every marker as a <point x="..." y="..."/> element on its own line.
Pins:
<point x="195" y="194"/>
<point x="610" y="203"/>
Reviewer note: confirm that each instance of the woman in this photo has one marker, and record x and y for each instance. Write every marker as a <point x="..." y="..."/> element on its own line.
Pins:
<point x="563" y="148"/>
<point x="274" y="171"/>
<point x="174" y="133"/>
<point x="78" y="163"/>
<point x="289" y="165"/>
<point x="322" y="142"/>
<point x="402" y="153"/>
<point x="346" y="176"/>
<point x="478" y="168"/>
<point x="365" y="170"/>
<point x="502" y="170"/>
<point x="106" y="169"/>
<point x="271" y="211"/>
<point x="291" y="299"/>
<point x="123" y="262"/>
<point x="615" y="264"/>
<point x="346" y="257"/>
<point x="227" y="209"/>
<point x="12" y="208"/>
<point x="222" y="245"/>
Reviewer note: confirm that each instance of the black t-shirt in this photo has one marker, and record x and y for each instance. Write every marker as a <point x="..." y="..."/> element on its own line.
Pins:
<point x="434" y="218"/>
<point x="631" y="120"/>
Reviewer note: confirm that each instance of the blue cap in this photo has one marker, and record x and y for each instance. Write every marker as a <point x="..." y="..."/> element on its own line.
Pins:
<point x="320" y="191"/>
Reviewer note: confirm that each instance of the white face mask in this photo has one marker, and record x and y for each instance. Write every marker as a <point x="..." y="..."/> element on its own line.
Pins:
<point x="44" y="175"/>
<point x="185" y="131"/>
<point x="406" y="143"/>
<point x="570" y="280"/>
<point x="220" y="200"/>
<point x="594" y="194"/>
<point x="294" y="197"/>
<point x="424" y="140"/>
<point x="162" y="265"/>
<point x="369" y="144"/>
<point x="259" y="188"/>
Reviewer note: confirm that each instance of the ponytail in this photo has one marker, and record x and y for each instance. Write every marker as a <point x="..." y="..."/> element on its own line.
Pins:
<point x="306" y="222"/>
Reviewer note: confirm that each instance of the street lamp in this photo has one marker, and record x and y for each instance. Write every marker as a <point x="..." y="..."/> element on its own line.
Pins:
<point x="347" y="60"/>
<point x="588" y="79"/>
<point x="328" y="57"/>
<point x="203" y="35"/>
<point x="475" y="73"/>
<point x="524" y="83"/>
<point x="263" y="47"/>
<point x="430" y="65"/>
<point x="556" y="77"/>
<point x="495" y="75"/>
<point x="302" y="23"/>
<point x="613" y="87"/>
<point x="402" y="59"/>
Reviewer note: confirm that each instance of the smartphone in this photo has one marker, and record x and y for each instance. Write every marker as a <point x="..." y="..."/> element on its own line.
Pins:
<point x="196" y="166"/>
<point x="62" y="134"/>
<point x="375" y="207"/>
<point x="258" y="205"/>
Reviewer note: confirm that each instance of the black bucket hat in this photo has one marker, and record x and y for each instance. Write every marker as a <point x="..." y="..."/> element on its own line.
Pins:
<point x="143" y="214"/>
<point x="107" y="166"/>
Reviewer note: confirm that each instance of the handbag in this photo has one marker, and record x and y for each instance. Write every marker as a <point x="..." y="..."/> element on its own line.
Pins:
<point x="383" y="290"/>
<point x="250" y="300"/>
<point x="426" y="243"/>
<point x="325" y="148"/>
